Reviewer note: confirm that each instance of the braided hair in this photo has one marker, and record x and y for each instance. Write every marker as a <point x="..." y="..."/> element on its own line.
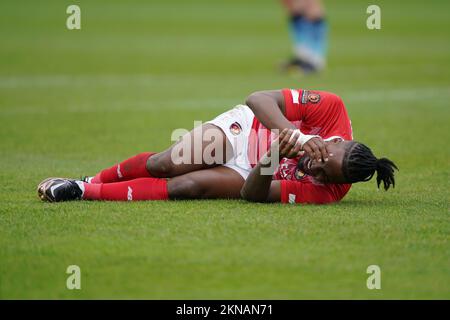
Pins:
<point x="360" y="164"/>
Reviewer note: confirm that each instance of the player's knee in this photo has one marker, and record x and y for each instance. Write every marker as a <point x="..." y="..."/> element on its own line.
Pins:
<point x="159" y="166"/>
<point x="186" y="188"/>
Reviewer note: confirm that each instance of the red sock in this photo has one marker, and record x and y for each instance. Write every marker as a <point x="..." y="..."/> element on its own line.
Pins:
<point x="131" y="190"/>
<point x="132" y="168"/>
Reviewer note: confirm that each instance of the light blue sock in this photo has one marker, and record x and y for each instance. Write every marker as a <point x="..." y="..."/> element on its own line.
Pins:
<point x="300" y="30"/>
<point x="310" y="40"/>
<point x="319" y="30"/>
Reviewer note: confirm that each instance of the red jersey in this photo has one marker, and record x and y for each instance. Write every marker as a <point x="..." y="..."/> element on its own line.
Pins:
<point x="316" y="113"/>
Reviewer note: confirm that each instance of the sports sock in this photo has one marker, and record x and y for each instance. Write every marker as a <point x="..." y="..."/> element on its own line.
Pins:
<point x="319" y="38"/>
<point x="309" y="38"/>
<point x="131" y="190"/>
<point x="132" y="168"/>
<point x="299" y="29"/>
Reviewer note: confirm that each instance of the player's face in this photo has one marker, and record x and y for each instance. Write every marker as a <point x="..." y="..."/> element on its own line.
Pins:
<point x="330" y="171"/>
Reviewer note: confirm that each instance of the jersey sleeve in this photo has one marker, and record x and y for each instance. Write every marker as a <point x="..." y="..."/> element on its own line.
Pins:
<point x="320" y="112"/>
<point x="300" y="192"/>
<point x="293" y="109"/>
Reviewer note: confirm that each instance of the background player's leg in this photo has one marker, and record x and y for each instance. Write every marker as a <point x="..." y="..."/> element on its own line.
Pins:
<point x="308" y="30"/>
<point x="215" y="183"/>
<point x="202" y="148"/>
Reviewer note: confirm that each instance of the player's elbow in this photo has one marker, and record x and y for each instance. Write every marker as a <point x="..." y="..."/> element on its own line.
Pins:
<point x="264" y="99"/>
<point x="254" y="99"/>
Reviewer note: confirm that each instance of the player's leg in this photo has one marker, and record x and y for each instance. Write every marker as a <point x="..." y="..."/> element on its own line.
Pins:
<point x="308" y="31"/>
<point x="215" y="183"/>
<point x="204" y="147"/>
<point x="315" y="13"/>
<point x="131" y="168"/>
<point x="313" y="9"/>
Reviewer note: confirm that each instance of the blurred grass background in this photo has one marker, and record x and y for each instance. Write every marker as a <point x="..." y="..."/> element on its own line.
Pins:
<point x="74" y="102"/>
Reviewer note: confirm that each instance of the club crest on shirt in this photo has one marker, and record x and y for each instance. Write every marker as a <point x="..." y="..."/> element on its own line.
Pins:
<point x="313" y="97"/>
<point x="235" y="128"/>
<point x="308" y="96"/>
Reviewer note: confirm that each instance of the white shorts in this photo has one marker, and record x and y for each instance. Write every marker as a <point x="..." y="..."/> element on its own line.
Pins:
<point x="236" y="124"/>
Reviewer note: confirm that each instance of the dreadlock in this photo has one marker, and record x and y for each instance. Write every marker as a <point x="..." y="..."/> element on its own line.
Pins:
<point x="360" y="164"/>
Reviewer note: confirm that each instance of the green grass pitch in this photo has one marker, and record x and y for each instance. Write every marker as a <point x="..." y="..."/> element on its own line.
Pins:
<point x="74" y="102"/>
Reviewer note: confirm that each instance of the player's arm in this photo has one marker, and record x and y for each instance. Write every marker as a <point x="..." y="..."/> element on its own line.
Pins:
<point x="258" y="186"/>
<point x="269" y="108"/>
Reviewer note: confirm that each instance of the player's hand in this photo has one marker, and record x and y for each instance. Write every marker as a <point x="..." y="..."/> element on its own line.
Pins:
<point x="288" y="145"/>
<point x="316" y="148"/>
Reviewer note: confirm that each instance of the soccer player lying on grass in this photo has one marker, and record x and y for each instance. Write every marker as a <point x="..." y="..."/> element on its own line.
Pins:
<point x="231" y="157"/>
